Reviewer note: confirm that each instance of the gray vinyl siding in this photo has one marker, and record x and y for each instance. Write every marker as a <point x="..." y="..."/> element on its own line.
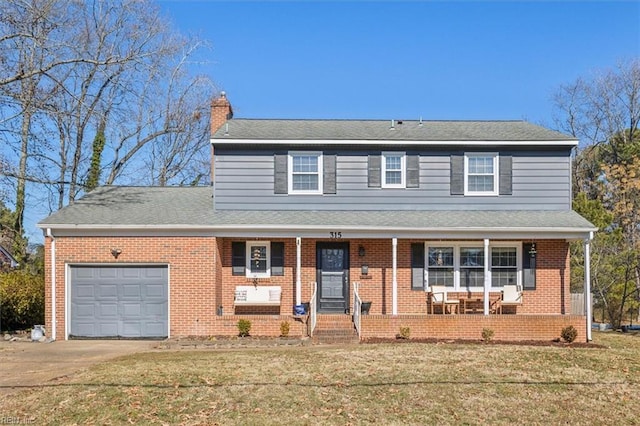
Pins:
<point x="244" y="180"/>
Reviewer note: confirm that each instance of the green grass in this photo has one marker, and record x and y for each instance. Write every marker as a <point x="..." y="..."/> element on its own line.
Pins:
<point x="383" y="384"/>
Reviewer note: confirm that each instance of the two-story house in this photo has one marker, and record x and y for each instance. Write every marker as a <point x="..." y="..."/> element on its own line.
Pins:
<point x="445" y="227"/>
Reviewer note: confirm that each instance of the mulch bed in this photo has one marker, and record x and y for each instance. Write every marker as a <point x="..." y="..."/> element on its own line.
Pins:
<point x="554" y="343"/>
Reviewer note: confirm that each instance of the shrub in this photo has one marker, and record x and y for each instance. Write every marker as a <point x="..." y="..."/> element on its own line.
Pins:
<point x="284" y="328"/>
<point x="405" y="332"/>
<point x="22" y="299"/>
<point x="487" y="334"/>
<point x="569" y="334"/>
<point x="244" y="327"/>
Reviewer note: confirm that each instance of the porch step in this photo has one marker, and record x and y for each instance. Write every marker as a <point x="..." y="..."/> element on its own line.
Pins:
<point x="335" y="329"/>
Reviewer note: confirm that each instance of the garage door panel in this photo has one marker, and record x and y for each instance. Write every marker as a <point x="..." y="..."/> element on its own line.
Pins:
<point x="84" y="310"/>
<point x="106" y="291"/>
<point x="85" y="291"/>
<point x="132" y="311"/>
<point x="108" y="310"/>
<point x="104" y="272"/>
<point x="155" y="309"/>
<point x="156" y="290"/>
<point x="153" y="328"/>
<point x="132" y="291"/>
<point x="119" y="301"/>
<point x="134" y="273"/>
<point x="107" y="329"/>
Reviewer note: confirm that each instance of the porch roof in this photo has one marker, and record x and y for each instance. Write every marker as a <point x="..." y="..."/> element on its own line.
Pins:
<point x="182" y="210"/>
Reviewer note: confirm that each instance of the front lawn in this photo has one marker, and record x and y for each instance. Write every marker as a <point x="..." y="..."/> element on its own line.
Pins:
<point x="413" y="383"/>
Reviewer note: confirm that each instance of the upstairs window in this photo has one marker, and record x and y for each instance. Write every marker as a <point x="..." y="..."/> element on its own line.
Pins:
<point x="393" y="169"/>
<point x="481" y="174"/>
<point x="305" y="173"/>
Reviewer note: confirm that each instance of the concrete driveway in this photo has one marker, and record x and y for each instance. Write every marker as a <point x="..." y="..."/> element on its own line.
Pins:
<point x="28" y="364"/>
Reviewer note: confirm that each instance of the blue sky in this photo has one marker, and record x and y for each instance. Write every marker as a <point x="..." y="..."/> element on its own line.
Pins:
<point x="404" y="60"/>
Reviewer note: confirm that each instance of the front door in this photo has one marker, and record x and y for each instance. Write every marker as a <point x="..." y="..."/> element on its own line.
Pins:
<point x="332" y="263"/>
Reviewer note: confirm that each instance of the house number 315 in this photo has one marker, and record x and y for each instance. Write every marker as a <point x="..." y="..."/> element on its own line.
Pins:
<point x="335" y="235"/>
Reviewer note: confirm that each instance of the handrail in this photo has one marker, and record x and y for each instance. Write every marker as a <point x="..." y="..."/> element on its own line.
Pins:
<point x="357" y="307"/>
<point x="312" y="310"/>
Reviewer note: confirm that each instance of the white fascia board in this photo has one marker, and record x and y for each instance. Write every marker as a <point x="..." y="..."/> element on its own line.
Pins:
<point x="320" y="142"/>
<point x="321" y="231"/>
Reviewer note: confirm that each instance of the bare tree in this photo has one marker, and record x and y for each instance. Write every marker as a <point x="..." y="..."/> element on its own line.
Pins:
<point x="92" y="91"/>
<point x="604" y="112"/>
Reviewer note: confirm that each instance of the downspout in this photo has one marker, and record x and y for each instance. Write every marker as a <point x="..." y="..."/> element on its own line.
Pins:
<point x="53" y="283"/>
<point x="298" y="265"/>
<point x="587" y="283"/>
<point x="394" y="283"/>
<point x="487" y="282"/>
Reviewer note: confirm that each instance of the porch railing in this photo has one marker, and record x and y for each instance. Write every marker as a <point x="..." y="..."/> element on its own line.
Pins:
<point x="312" y="310"/>
<point x="357" y="307"/>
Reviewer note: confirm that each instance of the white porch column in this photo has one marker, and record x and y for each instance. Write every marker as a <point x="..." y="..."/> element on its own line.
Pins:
<point x="487" y="282"/>
<point x="394" y="285"/>
<point x="53" y="284"/>
<point x="298" y="264"/>
<point x="587" y="283"/>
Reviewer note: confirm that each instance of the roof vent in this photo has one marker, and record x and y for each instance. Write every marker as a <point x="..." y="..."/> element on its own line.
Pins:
<point x="393" y="125"/>
<point x="226" y="128"/>
<point x="420" y="122"/>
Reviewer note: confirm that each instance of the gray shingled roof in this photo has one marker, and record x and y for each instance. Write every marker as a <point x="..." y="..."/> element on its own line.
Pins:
<point x="380" y="130"/>
<point x="192" y="207"/>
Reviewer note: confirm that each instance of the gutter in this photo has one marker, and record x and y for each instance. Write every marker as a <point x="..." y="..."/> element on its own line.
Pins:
<point x="53" y="284"/>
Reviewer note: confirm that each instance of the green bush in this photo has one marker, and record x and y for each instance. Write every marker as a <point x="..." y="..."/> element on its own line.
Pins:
<point x="405" y="332"/>
<point x="284" y="328"/>
<point x="244" y="327"/>
<point x="487" y="334"/>
<point x="569" y="334"/>
<point x="21" y="300"/>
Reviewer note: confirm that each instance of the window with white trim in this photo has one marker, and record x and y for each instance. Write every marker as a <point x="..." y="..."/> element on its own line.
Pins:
<point x="471" y="267"/>
<point x="460" y="265"/>
<point x="258" y="259"/>
<point x="440" y="266"/>
<point x="504" y="266"/>
<point x="481" y="174"/>
<point x="305" y="173"/>
<point x="394" y="169"/>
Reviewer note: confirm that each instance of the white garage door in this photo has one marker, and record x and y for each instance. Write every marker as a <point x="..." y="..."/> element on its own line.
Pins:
<point x="119" y="301"/>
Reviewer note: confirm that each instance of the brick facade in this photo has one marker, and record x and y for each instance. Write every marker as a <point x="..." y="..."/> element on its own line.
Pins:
<point x="201" y="281"/>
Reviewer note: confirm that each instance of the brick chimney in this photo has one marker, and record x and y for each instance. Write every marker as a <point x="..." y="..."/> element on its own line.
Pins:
<point x="221" y="111"/>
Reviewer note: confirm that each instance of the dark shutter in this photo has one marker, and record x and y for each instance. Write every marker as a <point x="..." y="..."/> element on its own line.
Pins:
<point x="375" y="163"/>
<point x="417" y="266"/>
<point x="413" y="171"/>
<point x="329" y="174"/>
<point x="277" y="258"/>
<point x="505" y="175"/>
<point x="457" y="174"/>
<point x="281" y="185"/>
<point x="238" y="256"/>
<point x="529" y="266"/>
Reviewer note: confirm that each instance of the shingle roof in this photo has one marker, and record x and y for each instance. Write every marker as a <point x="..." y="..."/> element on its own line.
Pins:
<point x="380" y="130"/>
<point x="192" y="207"/>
